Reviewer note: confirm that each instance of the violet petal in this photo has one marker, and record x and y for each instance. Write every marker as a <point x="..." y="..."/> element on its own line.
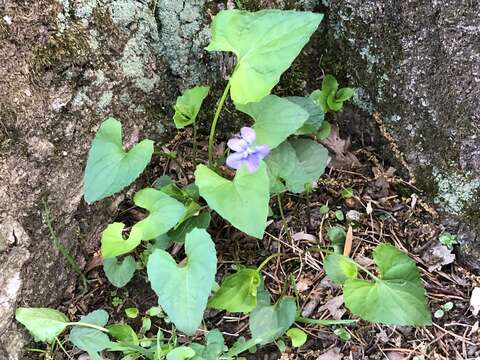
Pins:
<point x="252" y="162"/>
<point x="262" y="151"/>
<point x="235" y="160"/>
<point x="248" y="134"/>
<point x="237" y="144"/>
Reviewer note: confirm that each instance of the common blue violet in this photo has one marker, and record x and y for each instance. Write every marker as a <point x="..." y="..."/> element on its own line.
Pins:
<point x="246" y="151"/>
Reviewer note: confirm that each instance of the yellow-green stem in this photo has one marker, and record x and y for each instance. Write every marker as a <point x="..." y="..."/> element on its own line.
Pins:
<point x="267" y="260"/>
<point x="214" y="124"/>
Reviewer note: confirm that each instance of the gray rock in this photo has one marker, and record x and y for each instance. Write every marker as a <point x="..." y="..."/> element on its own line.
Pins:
<point x="417" y="65"/>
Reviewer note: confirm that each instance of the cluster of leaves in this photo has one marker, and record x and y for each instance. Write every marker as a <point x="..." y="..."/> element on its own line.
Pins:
<point x="265" y="43"/>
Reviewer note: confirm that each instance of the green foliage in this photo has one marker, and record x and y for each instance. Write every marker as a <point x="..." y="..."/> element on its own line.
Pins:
<point x="119" y="273"/>
<point x="44" y="324"/>
<point x="200" y="221"/>
<point x="113" y="243"/>
<point x="181" y="353"/>
<point x="448" y="240"/>
<point x="275" y="118"/>
<point x="272" y="321"/>
<point x="183" y="290"/>
<point x="315" y="115"/>
<point x="340" y="268"/>
<point x="109" y="168"/>
<point x="395" y="297"/>
<point x="213" y="348"/>
<point x="188" y="105"/>
<point x="339" y="215"/>
<point x="238" y="292"/>
<point x="324" y="131"/>
<point x="346" y="193"/>
<point x="123" y="333"/>
<point x="88" y="339"/>
<point x="265" y="42"/>
<point x="337" y="237"/>
<point x="132" y="312"/>
<point x="296" y="163"/>
<point x="330" y="98"/>
<point x="298" y="337"/>
<point x="243" y="201"/>
<point x="343" y="334"/>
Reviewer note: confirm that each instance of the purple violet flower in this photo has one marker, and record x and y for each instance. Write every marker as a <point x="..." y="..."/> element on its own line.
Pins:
<point x="246" y="152"/>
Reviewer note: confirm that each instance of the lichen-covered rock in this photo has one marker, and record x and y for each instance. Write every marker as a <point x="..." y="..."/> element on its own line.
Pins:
<point x="418" y="65"/>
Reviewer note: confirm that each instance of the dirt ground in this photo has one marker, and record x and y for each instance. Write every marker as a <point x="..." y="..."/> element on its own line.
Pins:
<point x="384" y="208"/>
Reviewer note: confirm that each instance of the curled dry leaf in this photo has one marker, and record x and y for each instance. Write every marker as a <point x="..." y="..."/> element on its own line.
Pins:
<point x="334" y="307"/>
<point x="332" y="354"/>
<point x="438" y="256"/>
<point x="342" y="157"/>
<point x="475" y="301"/>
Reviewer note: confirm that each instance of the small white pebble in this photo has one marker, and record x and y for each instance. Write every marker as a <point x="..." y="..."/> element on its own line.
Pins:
<point x="8" y="19"/>
<point x="64" y="153"/>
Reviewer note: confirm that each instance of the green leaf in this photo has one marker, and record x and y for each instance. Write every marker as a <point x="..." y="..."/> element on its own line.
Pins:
<point x="200" y="221"/>
<point x="333" y="104"/>
<point x="188" y="105"/>
<point x="339" y="268"/>
<point x="298" y="337"/>
<point x="183" y="290"/>
<point x="277" y="318"/>
<point x="329" y="84"/>
<point x="339" y="215"/>
<point x="123" y="333"/>
<point x="275" y="118"/>
<point x="181" y="353"/>
<point x="43" y="324"/>
<point x="343" y="334"/>
<point x="164" y="212"/>
<point x="91" y="340"/>
<point x="298" y="162"/>
<point x="396" y="297"/>
<point x="243" y="201"/>
<point x="265" y="42"/>
<point x="119" y="273"/>
<point x="344" y="94"/>
<point x="337" y="235"/>
<point x="132" y="312"/>
<point x="238" y="292"/>
<point x="113" y="244"/>
<point x="109" y="168"/>
<point x="324" y="131"/>
<point x="315" y="112"/>
<point x="213" y="349"/>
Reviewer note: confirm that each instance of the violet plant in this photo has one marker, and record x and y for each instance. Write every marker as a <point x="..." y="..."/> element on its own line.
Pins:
<point x="275" y="154"/>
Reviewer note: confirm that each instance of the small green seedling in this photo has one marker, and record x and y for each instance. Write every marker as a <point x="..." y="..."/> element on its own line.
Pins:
<point x="448" y="240"/>
<point x="343" y="334"/>
<point x="330" y="98"/>
<point x="347" y="193"/>
<point x="443" y="309"/>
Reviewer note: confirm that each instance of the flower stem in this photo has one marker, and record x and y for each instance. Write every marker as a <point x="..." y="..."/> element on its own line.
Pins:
<point x="214" y="123"/>
<point x="93" y="326"/>
<point x="264" y="262"/>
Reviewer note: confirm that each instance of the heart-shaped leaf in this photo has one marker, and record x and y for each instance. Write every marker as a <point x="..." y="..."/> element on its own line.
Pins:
<point x="200" y="221"/>
<point x="243" y="201"/>
<point x="340" y="268"/>
<point x="164" y="212"/>
<point x="91" y="340"/>
<point x="238" y="292"/>
<point x="315" y="114"/>
<point x="275" y="118"/>
<point x="188" y="105"/>
<point x="44" y="324"/>
<point x="123" y="333"/>
<point x="298" y="162"/>
<point x="298" y="337"/>
<point x="278" y="317"/>
<point x="183" y="290"/>
<point x="112" y="241"/>
<point x="266" y="43"/>
<point x="396" y="297"/>
<point x="109" y="168"/>
<point x="119" y="273"/>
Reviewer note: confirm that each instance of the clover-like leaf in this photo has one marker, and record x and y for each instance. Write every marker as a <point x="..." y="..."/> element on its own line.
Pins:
<point x="265" y="42"/>
<point x="315" y="112"/>
<point x="298" y="336"/>
<point x="188" y="105"/>
<point x="91" y="340"/>
<point x="119" y="273"/>
<point x="164" y="212"/>
<point x="275" y="118"/>
<point x="340" y="268"/>
<point x="238" y="292"/>
<point x="181" y="353"/>
<point x="183" y="290"/>
<point x="277" y="318"/>
<point x="44" y="324"/>
<point x="112" y="241"/>
<point x="243" y="201"/>
<point x="109" y="167"/>
<point x="396" y="297"/>
<point x="297" y="162"/>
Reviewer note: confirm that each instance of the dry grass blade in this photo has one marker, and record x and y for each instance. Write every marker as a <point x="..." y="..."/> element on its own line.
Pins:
<point x="347" y="249"/>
